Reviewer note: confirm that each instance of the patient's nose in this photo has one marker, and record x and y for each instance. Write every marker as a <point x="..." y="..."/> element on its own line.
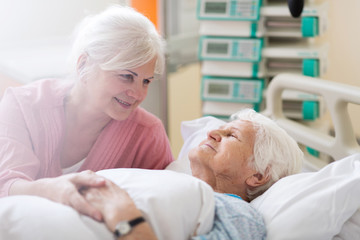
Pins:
<point x="215" y="135"/>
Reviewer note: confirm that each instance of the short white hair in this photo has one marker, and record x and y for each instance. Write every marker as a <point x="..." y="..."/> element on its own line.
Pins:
<point x="276" y="154"/>
<point x="118" y="38"/>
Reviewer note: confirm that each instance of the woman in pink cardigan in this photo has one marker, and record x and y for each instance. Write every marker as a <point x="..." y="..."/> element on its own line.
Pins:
<point x="92" y="122"/>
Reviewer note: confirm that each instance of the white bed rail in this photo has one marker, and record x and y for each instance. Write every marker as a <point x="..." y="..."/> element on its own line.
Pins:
<point x="336" y="97"/>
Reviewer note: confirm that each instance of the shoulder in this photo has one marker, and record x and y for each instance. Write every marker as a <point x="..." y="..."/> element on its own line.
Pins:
<point x="234" y="214"/>
<point x="41" y="92"/>
<point x="239" y="208"/>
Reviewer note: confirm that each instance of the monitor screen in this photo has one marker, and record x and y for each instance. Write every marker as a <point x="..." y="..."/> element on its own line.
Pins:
<point x="218" y="88"/>
<point x="217" y="48"/>
<point x="215" y="7"/>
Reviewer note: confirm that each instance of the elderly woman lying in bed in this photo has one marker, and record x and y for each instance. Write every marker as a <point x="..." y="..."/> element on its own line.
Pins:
<point x="240" y="160"/>
<point x="233" y="165"/>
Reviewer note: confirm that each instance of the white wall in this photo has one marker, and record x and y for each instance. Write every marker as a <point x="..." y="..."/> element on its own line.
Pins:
<point x="343" y="37"/>
<point x="35" y="35"/>
<point x="29" y="20"/>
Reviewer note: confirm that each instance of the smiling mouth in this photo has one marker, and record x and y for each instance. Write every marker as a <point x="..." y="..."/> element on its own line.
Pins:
<point x="122" y="102"/>
<point x="208" y="145"/>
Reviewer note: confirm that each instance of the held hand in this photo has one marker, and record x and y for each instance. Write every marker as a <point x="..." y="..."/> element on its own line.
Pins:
<point x="113" y="202"/>
<point x="66" y="189"/>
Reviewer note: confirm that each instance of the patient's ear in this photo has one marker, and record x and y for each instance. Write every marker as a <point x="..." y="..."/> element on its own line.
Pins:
<point x="257" y="180"/>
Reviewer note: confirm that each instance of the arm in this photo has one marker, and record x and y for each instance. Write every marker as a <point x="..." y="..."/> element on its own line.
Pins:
<point x="64" y="189"/>
<point x="116" y="205"/>
<point x="20" y="165"/>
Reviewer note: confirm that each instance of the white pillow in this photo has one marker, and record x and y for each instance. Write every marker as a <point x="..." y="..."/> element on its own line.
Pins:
<point x="312" y="205"/>
<point x="173" y="212"/>
<point x="351" y="228"/>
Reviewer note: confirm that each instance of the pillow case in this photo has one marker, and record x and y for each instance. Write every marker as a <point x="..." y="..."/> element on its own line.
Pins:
<point x="351" y="228"/>
<point x="173" y="212"/>
<point x="312" y="205"/>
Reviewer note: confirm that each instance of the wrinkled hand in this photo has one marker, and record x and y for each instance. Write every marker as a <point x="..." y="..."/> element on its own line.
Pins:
<point x="66" y="190"/>
<point x="114" y="203"/>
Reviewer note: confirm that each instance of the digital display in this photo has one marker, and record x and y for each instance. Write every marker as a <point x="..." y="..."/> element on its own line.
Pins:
<point x="217" y="48"/>
<point x="215" y="7"/>
<point x="217" y="88"/>
<point x="249" y="90"/>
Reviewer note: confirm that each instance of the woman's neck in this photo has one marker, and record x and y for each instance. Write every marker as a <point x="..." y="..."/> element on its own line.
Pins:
<point x="82" y="116"/>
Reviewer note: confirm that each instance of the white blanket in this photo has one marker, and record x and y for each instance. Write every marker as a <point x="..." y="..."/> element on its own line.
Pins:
<point x="175" y="204"/>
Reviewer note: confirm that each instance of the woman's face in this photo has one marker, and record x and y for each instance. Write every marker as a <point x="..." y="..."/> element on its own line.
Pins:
<point x="118" y="93"/>
<point x="222" y="159"/>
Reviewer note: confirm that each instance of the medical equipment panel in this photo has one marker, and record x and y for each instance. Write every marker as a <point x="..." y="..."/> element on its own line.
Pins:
<point x="243" y="10"/>
<point x="230" y="49"/>
<point x="265" y="27"/>
<point x="233" y="47"/>
<point x="302" y="106"/>
<point x="224" y="110"/>
<point x="233" y="69"/>
<point x="266" y="68"/>
<point x="274" y="21"/>
<point x="231" y="89"/>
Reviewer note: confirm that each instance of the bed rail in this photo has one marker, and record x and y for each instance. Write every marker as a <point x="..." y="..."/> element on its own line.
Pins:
<point x="336" y="97"/>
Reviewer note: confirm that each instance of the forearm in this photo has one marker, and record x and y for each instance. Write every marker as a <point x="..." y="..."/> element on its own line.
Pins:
<point x="63" y="189"/>
<point x="138" y="232"/>
<point x="117" y="206"/>
<point x="25" y="187"/>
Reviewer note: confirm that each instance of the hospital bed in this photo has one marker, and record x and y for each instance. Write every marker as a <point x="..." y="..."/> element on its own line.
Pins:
<point x="322" y="202"/>
<point x="316" y="204"/>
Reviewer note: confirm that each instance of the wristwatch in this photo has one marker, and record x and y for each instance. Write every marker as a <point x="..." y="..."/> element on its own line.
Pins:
<point x="125" y="227"/>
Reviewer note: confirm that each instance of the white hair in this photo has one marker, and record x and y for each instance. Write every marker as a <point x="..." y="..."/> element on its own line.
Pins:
<point x="116" y="39"/>
<point x="276" y="154"/>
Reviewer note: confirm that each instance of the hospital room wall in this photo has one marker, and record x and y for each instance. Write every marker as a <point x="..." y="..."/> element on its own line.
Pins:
<point x="343" y="37"/>
<point x="24" y="20"/>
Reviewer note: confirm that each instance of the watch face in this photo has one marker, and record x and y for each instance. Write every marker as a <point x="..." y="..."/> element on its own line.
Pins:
<point x="123" y="228"/>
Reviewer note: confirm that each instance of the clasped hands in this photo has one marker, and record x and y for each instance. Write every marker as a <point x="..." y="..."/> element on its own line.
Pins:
<point x="92" y="195"/>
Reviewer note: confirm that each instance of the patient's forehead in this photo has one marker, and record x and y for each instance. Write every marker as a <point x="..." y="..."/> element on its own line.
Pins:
<point x="238" y="124"/>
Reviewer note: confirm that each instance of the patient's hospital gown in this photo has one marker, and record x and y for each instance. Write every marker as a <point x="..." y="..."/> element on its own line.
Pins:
<point x="235" y="219"/>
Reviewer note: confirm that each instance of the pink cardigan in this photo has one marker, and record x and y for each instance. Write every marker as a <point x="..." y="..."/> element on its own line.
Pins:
<point x="31" y="132"/>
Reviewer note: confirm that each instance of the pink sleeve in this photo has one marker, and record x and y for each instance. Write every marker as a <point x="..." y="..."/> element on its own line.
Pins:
<point x="155" y="152"/>
<point x="17" y="158"/>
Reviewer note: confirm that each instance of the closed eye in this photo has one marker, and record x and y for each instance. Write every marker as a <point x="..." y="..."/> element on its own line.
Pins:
<point x="234" y="136"/>
<point x="127" y="77"/>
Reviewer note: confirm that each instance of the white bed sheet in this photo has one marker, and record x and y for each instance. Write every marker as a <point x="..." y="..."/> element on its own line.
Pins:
<point x="174" y="213"/>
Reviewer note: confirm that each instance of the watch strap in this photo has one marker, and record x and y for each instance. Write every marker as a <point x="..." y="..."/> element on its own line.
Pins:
<point x="136" y="221"/>
<point x="132" y="223"/>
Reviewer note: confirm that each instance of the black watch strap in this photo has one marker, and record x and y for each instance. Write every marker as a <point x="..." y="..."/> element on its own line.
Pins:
<point x="136" y="221"/>
<point x="125" y="227"/>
